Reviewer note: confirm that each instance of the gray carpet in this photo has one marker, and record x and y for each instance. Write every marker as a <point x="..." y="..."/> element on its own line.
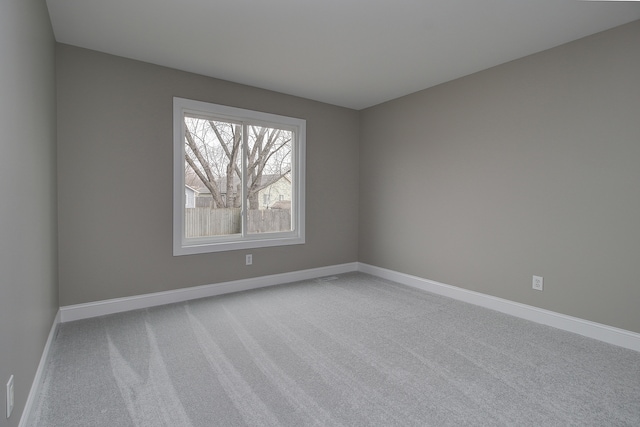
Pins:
<point x="346" y="351"/>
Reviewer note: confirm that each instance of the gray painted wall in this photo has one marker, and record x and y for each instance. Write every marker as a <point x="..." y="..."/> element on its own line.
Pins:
<point x="115" y="180"/>
<point x="28" y="275"/>
<point x="528" y="168"/>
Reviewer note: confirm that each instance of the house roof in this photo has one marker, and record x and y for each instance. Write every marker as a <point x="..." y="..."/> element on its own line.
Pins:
<point x="281" y="204"/>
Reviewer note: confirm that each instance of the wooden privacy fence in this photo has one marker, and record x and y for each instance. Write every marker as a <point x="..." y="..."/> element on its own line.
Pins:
<point x="269" y="220"/>
<point x="202" y="222"/>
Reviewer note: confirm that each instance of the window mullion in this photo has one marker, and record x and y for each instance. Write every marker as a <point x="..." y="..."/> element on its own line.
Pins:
<point x="244" y="153"/>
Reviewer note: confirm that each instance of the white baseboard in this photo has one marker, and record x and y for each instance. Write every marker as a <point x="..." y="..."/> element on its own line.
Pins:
<point x="36" y="386"/>
<point x="605" y="333"/>
<point x="99" y="308"/>
<point x="608" y="334"/>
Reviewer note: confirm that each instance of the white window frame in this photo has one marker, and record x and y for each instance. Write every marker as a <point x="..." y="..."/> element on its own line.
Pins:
<point x="183" y="246"/>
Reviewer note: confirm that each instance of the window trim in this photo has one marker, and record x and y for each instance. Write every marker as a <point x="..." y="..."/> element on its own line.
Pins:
<point x="235" y="242"/>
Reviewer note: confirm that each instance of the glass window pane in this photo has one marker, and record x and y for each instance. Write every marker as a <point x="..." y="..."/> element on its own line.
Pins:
<point x="212" y="177"/>
<point x="269" y="179"/>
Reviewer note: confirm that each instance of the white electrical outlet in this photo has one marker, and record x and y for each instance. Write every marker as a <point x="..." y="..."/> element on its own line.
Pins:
<point x="538" y="283"/>
<point x="249" y="259"/>
<point x="10" y="396"/>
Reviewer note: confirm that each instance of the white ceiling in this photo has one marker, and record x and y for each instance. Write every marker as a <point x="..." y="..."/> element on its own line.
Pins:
<point x="353" y="53"/>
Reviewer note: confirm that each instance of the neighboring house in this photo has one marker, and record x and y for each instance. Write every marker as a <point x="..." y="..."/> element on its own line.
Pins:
<point x="190" y="199"/>
<point x="204" y="198"/>
<point x="276" y="194"/>
<point x="198" y="197"/>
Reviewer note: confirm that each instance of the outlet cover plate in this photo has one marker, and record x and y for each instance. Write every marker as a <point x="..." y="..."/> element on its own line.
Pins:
<point x="538" y="283"/>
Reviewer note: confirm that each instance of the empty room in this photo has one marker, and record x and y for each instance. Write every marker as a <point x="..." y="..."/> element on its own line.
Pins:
<point x="243" y="213"/>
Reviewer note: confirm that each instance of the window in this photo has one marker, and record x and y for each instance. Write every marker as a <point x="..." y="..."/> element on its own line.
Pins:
<point x="230" y="160"/>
